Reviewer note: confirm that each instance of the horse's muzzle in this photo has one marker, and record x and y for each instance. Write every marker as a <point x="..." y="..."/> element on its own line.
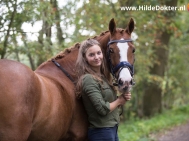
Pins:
<point x="123" y="85"/>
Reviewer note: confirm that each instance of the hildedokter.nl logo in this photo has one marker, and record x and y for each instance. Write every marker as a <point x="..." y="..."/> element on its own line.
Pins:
<point x="155" y="8"/>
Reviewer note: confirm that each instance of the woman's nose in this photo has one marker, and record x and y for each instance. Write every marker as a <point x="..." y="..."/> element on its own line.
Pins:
<point x="96" y="56"/>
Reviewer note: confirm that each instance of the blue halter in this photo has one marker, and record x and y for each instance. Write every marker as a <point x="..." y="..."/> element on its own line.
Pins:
<point x="123" y="64"/>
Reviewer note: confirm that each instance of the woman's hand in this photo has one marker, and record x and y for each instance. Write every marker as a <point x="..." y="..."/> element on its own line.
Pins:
<point x="127" y="96"/>
<point x="121" y="100"/>
<point x="124" y="97"/>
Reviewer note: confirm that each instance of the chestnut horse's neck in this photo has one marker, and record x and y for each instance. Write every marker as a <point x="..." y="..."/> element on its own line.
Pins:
<point x="68" y="57"/>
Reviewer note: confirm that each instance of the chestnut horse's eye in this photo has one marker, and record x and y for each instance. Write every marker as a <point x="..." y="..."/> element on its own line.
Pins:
<point x="134" y="50"/>
<point x="111" y="50"/>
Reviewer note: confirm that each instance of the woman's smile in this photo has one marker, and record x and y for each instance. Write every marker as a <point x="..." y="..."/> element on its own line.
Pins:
<point x="94" y="57"/>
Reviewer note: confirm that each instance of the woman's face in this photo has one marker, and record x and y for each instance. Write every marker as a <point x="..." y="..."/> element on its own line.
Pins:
<point x="94" y="57"/>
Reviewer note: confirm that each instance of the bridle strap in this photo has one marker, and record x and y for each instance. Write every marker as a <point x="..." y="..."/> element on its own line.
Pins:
<point x="119" y="41"/>
<point x="62" y="69"/>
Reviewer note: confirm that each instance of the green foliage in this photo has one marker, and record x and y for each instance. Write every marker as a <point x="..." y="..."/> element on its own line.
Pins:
<point x="90" y="19"/>
<point x="136" y="130"/>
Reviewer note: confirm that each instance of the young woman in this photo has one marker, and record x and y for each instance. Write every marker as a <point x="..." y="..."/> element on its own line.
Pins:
<point x="97" y="93"/>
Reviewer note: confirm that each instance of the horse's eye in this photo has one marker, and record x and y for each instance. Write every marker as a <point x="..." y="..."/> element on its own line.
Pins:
<point x="133" y="50"/>
<point x="111" y="50"/>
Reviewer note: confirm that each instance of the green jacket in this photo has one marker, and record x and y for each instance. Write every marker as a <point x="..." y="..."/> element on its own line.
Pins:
<point x="96" y="99"/>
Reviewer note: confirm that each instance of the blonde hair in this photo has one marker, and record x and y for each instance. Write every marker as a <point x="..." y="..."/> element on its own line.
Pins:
<point x="82" y="67"/>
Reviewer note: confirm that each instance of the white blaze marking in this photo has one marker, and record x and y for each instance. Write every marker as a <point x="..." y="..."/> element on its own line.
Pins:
<point x="124" y="74"/>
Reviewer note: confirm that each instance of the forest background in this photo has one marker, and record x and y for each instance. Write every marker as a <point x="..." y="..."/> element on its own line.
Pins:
<point x="32" y="31"/>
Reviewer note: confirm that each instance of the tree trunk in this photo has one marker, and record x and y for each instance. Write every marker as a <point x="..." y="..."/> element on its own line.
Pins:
<point x="152" y="99"/>
<point x="45" y="43"/>
<point x="28" y="52"/>
<point x="16" y="50"/>
<point x="57" y="18"/>
<point x="8" y="31"/>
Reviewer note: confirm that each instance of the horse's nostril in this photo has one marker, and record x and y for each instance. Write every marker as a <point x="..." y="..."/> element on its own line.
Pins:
<point x="120" y="82"/>
<point x="125" y="88"/>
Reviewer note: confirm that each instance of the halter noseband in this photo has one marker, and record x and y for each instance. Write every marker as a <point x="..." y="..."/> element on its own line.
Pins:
<point x="121" y="65"/>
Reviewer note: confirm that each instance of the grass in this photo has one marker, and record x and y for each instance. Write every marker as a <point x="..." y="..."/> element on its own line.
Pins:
<point x="139" y="130"/>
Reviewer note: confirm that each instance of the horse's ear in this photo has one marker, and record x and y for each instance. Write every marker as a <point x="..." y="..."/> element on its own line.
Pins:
<point x="130" y="27"/>
<point x="112" y="26"/>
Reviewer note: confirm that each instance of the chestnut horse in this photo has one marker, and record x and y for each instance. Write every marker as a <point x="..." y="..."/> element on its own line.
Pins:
<point x="41" y="105"/>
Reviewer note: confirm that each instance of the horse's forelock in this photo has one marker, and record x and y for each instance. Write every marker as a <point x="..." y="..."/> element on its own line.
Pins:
<point x="122" y="31"/>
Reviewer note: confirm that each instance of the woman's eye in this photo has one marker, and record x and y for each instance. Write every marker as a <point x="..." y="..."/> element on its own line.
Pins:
<point x="99" y="52"/>
<point x="91" y="55"/>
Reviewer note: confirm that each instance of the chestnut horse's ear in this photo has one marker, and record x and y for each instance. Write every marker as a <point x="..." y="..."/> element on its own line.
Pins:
<point x="130" y="27"/>
<point x="112" y="26"/>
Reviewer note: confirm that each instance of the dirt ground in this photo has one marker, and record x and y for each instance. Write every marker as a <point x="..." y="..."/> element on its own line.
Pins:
<point x="178" y="133"/>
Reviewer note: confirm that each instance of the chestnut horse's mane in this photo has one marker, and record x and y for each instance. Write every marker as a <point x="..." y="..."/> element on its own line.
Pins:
<point x="66" y="51"/>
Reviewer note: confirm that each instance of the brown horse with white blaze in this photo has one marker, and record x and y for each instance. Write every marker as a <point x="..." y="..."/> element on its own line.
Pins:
<point x="41" y="105"/>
